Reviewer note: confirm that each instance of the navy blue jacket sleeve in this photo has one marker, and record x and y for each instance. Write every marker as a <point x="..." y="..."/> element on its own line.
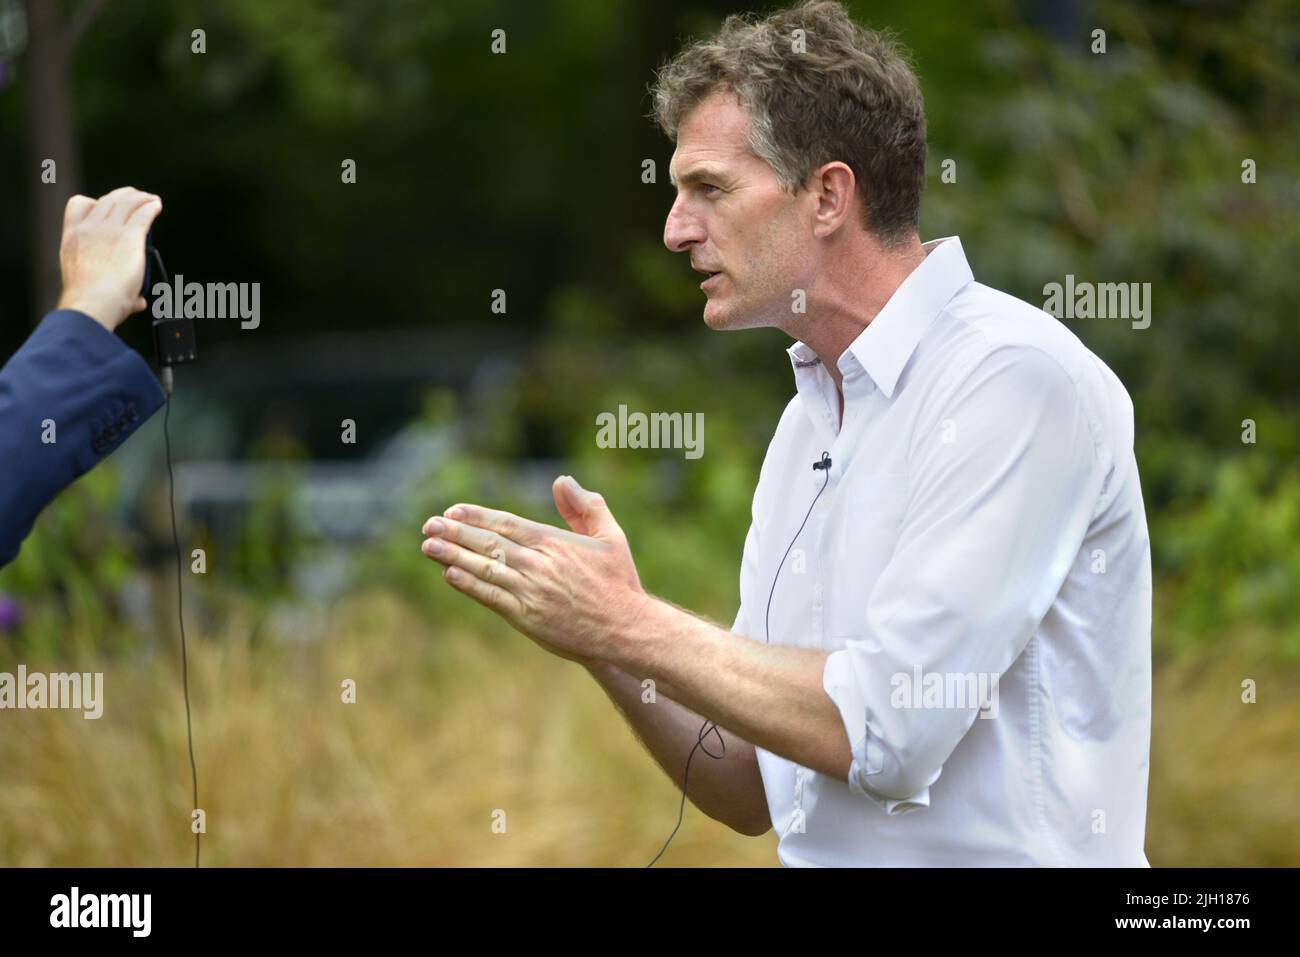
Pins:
<point x="68" y="397"/>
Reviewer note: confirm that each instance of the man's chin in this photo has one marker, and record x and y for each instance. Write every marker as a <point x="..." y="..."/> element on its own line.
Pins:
<point x="723" y="315"/>
<point x="719" y="316"/>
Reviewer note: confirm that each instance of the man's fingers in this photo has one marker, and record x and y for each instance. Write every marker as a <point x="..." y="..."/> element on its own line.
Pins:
<point x="492" y="544"/>
<point x="144" y="214"/>
<point x="104" y="205"/>
<point x="126" y="207"/>
<point x="118" y="205"/>
<point x="486" y="593"/>
<point x="76" y="210"/>
<point x="522" y="531"/>
<point x="489" y="568"/>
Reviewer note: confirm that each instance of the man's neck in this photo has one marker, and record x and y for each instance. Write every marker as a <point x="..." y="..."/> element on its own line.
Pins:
<point x="849" y="296"/>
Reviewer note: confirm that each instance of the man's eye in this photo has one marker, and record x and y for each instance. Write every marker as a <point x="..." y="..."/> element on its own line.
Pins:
<point x="708" y="186"/>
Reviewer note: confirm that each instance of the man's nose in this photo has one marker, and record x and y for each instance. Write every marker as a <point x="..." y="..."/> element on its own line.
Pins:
<point x="681" y="229"/>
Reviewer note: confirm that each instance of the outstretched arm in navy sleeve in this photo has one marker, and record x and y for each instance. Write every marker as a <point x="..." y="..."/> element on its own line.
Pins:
<point x="74" y="391"/>
<point x="68" y="397"/>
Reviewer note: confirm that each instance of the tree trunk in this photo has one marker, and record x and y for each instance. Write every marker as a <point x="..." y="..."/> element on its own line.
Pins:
<point x="50" y="134"/>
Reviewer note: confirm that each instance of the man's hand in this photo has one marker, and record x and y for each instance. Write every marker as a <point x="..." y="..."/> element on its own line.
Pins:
<point x="577" y="594"/>
<point x="574" y="593"/>
<point x="102" y="254"/>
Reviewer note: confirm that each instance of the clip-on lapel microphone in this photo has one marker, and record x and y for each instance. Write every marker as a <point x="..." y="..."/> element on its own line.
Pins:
<point x="174" y="341"/>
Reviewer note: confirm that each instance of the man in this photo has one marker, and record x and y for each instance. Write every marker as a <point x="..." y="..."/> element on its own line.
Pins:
<point x="75" y="391"/>
<point x="955" y="667"/>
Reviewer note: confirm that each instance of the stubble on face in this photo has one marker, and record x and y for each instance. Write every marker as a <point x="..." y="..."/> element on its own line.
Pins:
<point x="749" y="226"/>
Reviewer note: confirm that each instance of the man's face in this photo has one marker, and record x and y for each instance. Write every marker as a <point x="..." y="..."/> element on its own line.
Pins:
<point x="734" y="219"/>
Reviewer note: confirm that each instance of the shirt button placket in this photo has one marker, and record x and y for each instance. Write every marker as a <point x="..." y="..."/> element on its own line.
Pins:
<point x="816" y="622"/>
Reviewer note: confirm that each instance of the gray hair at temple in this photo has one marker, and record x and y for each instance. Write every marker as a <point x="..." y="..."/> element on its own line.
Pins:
<point x="845" y="92"/>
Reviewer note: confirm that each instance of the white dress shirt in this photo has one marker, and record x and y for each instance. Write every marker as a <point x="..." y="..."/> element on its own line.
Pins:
<point x="978" y="566"/>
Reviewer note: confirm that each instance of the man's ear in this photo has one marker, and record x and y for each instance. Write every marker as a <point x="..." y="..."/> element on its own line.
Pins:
<point x="835" y="189"/>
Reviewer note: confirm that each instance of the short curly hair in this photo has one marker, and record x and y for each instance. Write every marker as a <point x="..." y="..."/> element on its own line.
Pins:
<point x="836" y="91"/>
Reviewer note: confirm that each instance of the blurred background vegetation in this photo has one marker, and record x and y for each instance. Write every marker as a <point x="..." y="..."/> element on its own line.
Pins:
<point x="522" y="172"/>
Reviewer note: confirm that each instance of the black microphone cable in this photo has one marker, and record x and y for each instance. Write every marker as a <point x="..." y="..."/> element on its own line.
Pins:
<point x="168" y="354"/>
<point x="180" y="608"/>
<point x="821" y="465"/>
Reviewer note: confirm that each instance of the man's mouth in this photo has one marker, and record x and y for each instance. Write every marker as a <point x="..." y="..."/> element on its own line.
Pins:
<point x="710" y="280"/>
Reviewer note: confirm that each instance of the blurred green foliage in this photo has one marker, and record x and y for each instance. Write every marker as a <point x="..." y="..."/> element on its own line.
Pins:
<point x="522" y="171"/>
<point x="1234" y="559"/>
<point x="70" y="573"/>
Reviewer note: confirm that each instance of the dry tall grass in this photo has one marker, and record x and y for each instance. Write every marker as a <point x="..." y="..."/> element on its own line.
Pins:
<point x="449" y="727"/>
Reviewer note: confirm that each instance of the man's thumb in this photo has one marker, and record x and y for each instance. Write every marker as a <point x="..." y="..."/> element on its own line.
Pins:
<point x="586" y="512"/>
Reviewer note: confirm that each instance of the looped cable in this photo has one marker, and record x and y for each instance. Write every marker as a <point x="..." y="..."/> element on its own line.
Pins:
<point x="824" y="464"/>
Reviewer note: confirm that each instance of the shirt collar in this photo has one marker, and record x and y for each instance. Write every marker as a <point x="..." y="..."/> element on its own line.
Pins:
<point x="883" y="348"/>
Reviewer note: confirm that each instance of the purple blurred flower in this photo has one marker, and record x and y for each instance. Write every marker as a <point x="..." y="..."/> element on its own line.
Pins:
<point x="11" y="613"/>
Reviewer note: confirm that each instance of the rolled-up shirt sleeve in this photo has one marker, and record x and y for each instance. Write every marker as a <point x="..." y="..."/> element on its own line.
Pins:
<point x="1004" y="475"/>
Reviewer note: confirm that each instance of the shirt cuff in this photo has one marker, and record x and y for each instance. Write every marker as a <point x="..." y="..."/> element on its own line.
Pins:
<point x="889" y="805"/>
<point x="868" y="755"/>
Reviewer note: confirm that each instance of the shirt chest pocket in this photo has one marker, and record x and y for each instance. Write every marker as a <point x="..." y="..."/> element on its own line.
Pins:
<point x="861" y="532"/>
